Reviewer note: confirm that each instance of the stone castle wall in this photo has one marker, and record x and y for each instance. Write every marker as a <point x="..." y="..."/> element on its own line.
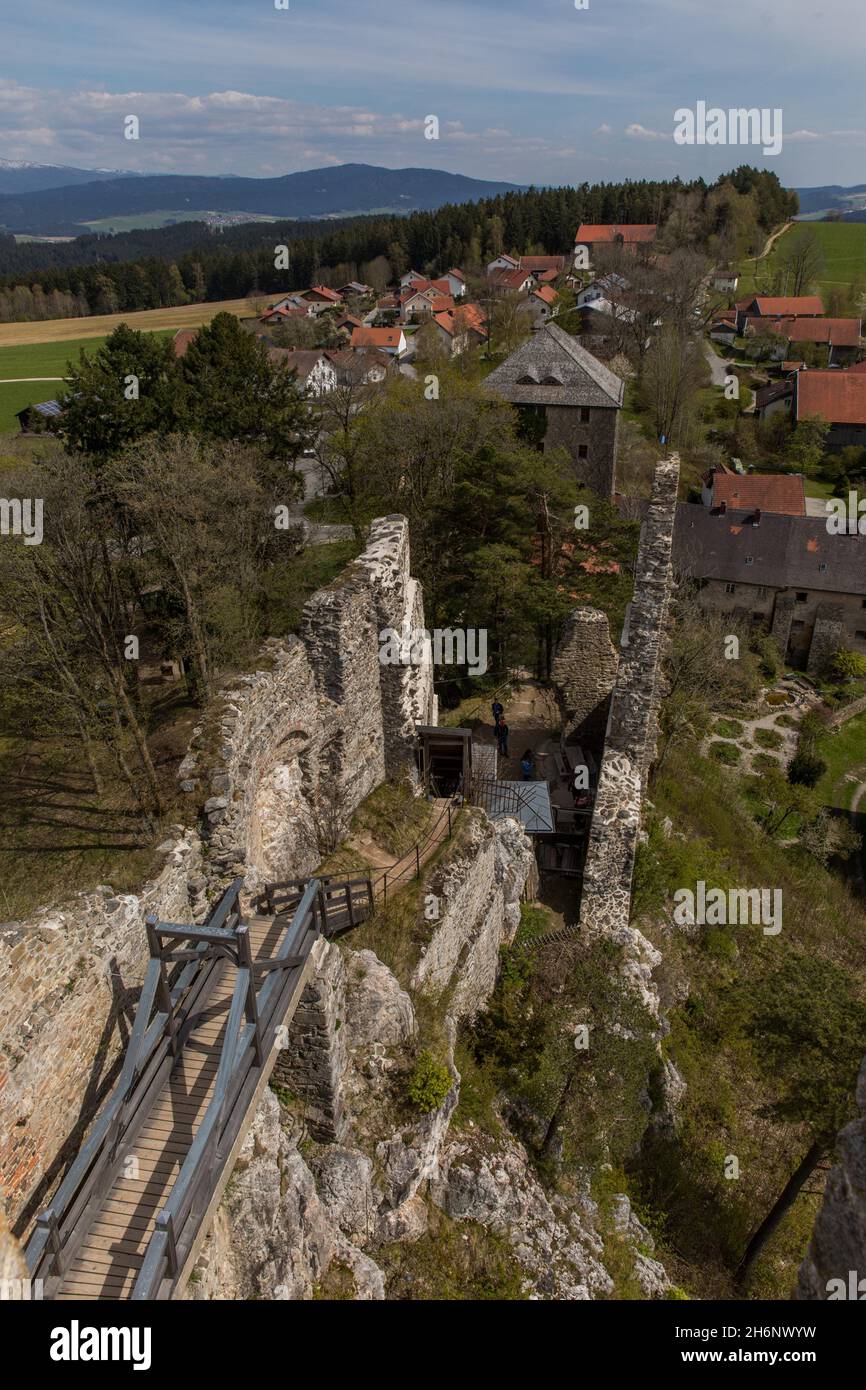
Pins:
<point x="278" y="769"/>
<point x="632" y="728"/>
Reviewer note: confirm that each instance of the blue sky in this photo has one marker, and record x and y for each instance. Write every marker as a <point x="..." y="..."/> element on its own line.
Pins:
<point x="527" y="91"/>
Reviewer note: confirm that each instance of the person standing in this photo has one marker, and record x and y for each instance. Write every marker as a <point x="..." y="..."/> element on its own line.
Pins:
<point x="502" y="737"/>
<point x="526" y="765"/>
<point x="498" y="712"/>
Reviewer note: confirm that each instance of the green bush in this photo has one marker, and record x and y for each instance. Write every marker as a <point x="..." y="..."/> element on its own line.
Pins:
<point x="429" y="1083"/>
<point x="768" y="738"/>
<point x="727" y="753"/>
<point x="728" y="728"/>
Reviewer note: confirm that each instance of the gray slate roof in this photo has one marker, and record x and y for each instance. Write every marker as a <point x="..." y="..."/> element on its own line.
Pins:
<point x="787" y="551"/>
<point x="577" y="378"/>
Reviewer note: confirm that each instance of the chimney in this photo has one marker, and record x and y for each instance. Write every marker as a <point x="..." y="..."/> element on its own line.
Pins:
<point x="756" y="519"/>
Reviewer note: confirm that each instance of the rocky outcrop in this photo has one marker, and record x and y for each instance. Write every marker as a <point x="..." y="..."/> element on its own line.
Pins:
<point x="835" y="1264"/>
<point x="478" y="895"/>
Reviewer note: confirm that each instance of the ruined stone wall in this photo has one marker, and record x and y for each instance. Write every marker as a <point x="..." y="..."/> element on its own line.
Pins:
<point x="584" y="670"/>
<point x="827" y="636"/>
<point x="632" y="728"/>
<point x="287" y="756"/>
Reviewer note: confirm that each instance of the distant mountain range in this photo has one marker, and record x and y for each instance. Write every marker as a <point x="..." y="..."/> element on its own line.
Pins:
<point x="62" y="209"/>
<point x="20" y="176"/>
<point x="833" y="197"/>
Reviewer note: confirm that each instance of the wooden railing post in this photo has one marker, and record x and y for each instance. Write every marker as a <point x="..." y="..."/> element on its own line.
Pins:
<point x="47" y="1221"/>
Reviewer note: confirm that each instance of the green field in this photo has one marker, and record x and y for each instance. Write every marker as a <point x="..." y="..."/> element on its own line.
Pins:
<point x="37" y="359"/>
<point x="844" y="247"/>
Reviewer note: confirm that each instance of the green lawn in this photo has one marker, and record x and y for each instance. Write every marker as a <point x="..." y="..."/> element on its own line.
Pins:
<point x="844" y="247"/>
<point x="38" y="359"/>
<point x="843" y="751"/>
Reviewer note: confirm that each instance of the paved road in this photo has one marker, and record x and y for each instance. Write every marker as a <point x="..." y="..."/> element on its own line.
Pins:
<point x="8" y="380"/>
<point x="718" y="365"/>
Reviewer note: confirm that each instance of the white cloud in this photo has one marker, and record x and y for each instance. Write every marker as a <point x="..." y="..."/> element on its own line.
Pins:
<point x="641" y="132"/>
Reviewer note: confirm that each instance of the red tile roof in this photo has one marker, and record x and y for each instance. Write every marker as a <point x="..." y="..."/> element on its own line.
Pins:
<point x="376" y="337"/>
<point x="837" y="396"/>
<point x="441" y="303"/>
<point x="839" y="332"/>
<point x="591" y="232"/>
<point x="459" y="274"/>
<point x="546" y="277"/>
<point x="468" y="318"/>
<point x="858" y="366"/>
<point x="783" y="493"/>
<point x="791" y="366"/>
<point x="324" y="293"/>
<point x="781" y="306"/>
<point x="546" y="293"/>
<point x="509" y="279"/>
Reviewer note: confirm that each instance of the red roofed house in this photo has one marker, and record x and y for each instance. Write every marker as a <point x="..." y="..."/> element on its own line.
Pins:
<point x="503" y="262"/>
<point x="781" y="493"/>
<point x="594" y="236"/>
<point x="412" y="277"/>
<point x="841" y="336"/>
<point x="461" y="328"/>
<point x="514" y="281"/>
<point x="543" y="265"/>
<point x="542" y="303"/>
<point x="417" y="301"/>
<point x="390" y="340"/>
<point x="320" y="298"/>
<point x="456" y="282"/>
<point x="766" y="306"/>
<point x="835" y="396"/>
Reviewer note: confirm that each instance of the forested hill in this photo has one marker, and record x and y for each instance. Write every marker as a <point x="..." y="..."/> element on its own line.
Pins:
<point x="345" y="188"/>
<point x="154" y="269"/>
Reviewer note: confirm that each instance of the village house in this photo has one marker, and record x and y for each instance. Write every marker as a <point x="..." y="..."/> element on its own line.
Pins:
<point x="290" y="306"/>
<point x="456" y="281"/>
<point x="839" y="397"/>
<point x="460" y="328"/>
<point x="355" y="289"/>
<point x="320" y="298"/>
<point x="503" y="262"/>
<point x="840" y="337"/>
<point x="412" y="277"/>
<point x="788" y="574"/>
<point x="389" y="340"/>
<point x="576" y="398"/>
<point x="606" y="287"/>
<point x="361" y="367"/>
<point x="542" y="304"/>
<point x="538" y="266"/>
<point x="595" y="236"/>
<point x="311" y="366"/>
<point x="723" y="327"/>
<point x="783" y="494"/>
<point x="726" y="281"/>
<point x="778" y="307"/>
<point x="510" y="281"/>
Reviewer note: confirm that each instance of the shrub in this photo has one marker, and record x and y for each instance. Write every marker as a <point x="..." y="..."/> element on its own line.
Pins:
<point x="848" y="665"/>
<point x="764" y="762"/>
<point x="768" y="738"/>
<point x="429" y="1083"/>
<point x="727" y="753"/>
<point x="728" y="728"/>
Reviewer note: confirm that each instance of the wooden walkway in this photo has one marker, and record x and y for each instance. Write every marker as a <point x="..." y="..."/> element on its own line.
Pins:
<point x="110" y="1256"/>
<point x="127" y="1220"/>
<point x="129" y="1217"/>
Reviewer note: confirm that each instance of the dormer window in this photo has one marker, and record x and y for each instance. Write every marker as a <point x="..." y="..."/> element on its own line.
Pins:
<point x="528" y="380"/>
<point x="551" y="381"/>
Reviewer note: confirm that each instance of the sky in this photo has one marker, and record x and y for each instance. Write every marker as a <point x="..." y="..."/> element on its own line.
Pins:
<point x="529" y="91"/>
